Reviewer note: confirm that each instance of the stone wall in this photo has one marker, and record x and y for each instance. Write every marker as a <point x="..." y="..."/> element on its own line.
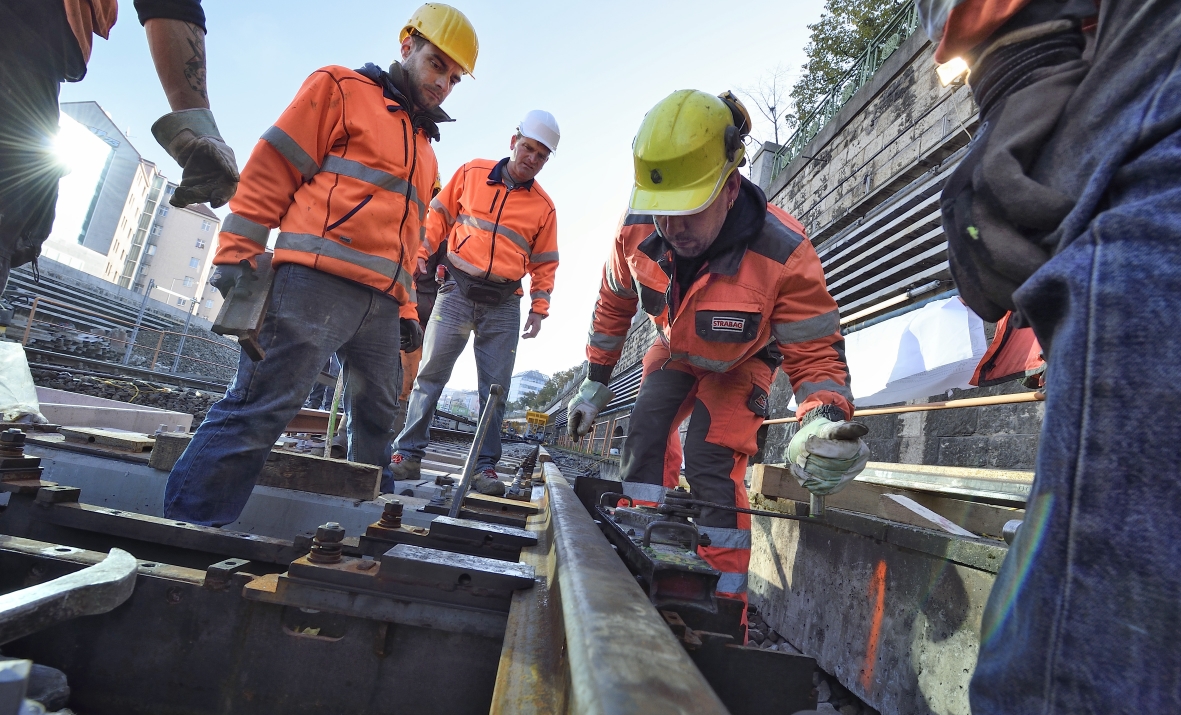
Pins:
<point x="891" y="131"/>
<point x="997" y="436"/>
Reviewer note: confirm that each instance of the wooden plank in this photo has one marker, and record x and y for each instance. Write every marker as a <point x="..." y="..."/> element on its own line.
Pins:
<point x="130" y="441"/>
<point x="897" y="507"/>
<point x="290" y="470"/>
<point x="777" y="482"/>
<point x="242" y="316"/>
<point x="321" y="475"/>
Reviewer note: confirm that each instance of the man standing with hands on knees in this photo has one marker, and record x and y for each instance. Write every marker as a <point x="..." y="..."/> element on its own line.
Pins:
<point x="499" y="224"/>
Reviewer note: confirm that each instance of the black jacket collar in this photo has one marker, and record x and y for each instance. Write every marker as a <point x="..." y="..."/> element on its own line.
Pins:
<point x="743" y="224"/>
<point x="496" y="176"/>
<point x="393" y="84"/>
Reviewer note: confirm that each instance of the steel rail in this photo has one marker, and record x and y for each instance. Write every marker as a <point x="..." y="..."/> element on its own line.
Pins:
<point x="623" y="657"/>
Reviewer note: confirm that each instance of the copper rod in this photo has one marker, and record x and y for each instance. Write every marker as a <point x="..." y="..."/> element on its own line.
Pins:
<point x="949" y="405"/>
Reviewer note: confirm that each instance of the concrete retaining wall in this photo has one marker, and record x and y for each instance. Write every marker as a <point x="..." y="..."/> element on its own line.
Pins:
<point x="892" y="611"/>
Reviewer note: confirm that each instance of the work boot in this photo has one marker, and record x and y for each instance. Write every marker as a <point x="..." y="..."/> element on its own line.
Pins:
<point x="488" y="482"/>
<point x="403" y="468"/>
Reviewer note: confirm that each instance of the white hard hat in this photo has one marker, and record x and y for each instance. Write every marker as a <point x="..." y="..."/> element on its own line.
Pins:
<point x="541" y="126"/>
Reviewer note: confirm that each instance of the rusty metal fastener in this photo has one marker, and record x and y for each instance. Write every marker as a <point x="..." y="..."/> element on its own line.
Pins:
<point x="391" y="515"/>
<point x="326" y="547"/>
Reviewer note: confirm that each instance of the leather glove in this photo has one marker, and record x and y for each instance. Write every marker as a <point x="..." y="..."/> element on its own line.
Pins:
<point x="238" y="279"/>
<point x="210" y="170"/>
<point x="585" y="406"/>
<point x="411" y="332"/>
<point x="997" y="217"/>
<point x="824" y="455"/>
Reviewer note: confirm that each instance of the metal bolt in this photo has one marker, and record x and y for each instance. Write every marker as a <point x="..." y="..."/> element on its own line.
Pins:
<point x="326" y="546"/>
<point x="12" y="435"/>
<point x="391" y="515"/>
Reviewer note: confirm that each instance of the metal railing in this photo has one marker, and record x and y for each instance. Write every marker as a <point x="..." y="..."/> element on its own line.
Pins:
<point x="899" y="29"/>
<point x="125" y="342"/>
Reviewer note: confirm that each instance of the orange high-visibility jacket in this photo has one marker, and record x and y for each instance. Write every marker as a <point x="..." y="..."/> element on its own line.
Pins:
<point x="960" y="25"/>
<point x="90" y="17"/>
<point x="344" y="174"/>
<point x="770" y="291"/>
<point x="494" y="233"/>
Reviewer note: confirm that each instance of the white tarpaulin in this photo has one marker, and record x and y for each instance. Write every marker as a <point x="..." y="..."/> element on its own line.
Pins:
<point x="18" y="396"/>
<point x="922" y="353"/>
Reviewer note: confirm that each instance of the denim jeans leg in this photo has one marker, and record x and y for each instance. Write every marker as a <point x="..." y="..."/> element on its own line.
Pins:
<point x="1085" y="612"/>
<point x="497" y="333"/>
<point x="373" y="375"/>
<point x="311" y="315"/>
<point x="446" y="336"/>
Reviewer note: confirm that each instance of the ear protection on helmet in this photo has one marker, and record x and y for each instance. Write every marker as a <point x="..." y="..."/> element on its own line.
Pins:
<point x="738" y="131"/>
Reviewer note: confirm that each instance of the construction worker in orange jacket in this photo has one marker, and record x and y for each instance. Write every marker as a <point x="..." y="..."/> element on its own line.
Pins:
<point x="735" y="290"/>
<point x="46" y="42"/>
<point x="344" y="174"/>
<point x="499" y="224"/>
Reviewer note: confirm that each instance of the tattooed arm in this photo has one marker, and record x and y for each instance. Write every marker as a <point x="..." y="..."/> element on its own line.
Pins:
<point x="178" y="50"/>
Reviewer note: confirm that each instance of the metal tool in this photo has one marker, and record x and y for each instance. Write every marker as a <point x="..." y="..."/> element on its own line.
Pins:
<point x="469" y="465"/>
<point x="96" y="589"/>
<point x="242" y="316"/>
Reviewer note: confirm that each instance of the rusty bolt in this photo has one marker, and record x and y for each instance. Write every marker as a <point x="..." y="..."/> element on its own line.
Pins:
<point x="326" y="547"/>
<point x="391" y="515"/>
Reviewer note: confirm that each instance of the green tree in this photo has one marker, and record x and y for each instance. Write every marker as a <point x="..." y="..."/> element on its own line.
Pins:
<point x="842" y="33"/>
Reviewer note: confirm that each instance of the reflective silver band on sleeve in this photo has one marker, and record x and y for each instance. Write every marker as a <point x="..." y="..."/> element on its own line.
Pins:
<point x="292" y="152"/>
<point x="616" y="287"/>
<point x="543" y="257"/>
<point x="806" y="389"/>
<point x="539" y="295"/>
<point x="246" y="228"/>
<point x="438" y="206"/>
<point x="801" y="331"/>
<point x="602" y="341"/>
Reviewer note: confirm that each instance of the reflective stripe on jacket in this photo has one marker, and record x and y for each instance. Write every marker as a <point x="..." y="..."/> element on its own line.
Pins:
<point x="768" y="291"/>
<point x="494" y="233"/>
<point x="345" y="176"/>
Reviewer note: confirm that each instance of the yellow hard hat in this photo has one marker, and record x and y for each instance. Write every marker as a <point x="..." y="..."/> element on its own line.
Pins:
<point x="448" y="29"/>
<point x="687" y="146"/>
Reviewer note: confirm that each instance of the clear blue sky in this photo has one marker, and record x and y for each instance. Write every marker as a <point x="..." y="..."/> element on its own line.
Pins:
<point x="598" y="67"/>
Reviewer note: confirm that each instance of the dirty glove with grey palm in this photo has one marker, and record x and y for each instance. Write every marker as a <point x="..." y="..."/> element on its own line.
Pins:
<point x="210" y="170"/>
<point x="825" y="455"/>
<point x="238" y="279"/>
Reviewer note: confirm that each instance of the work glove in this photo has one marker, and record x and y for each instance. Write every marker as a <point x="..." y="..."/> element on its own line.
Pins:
<point x="238" y="279"/>
<point x="210" y="170"/>
<point x="411" y="334"/>
<point x="824" y="455"/>
<point x="999" y="219"/>
<point x="585" y="406"/>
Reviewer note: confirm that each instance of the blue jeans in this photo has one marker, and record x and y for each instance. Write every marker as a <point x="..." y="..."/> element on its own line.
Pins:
<point x="1086" y="610"/>
<point x="453" y="320"/>
<point x="312" y="315"/>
